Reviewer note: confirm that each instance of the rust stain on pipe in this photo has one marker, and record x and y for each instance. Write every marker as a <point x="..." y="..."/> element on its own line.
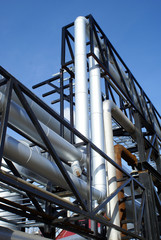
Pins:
<point x="122" y="152"/>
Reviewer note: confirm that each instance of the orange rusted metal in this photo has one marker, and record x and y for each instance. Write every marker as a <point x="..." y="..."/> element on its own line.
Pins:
<point x="122" y="152"/>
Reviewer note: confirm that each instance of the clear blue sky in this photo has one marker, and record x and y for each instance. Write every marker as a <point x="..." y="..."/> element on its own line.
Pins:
<point x="30" y="37"/>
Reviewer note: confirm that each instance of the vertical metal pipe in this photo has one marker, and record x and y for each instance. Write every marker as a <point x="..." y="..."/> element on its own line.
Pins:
<point x="112" y="181"/>
<point x="97" y="130"/>
<point x="81" y="83"/>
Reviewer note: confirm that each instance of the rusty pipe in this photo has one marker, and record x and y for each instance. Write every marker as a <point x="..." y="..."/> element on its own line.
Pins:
<point x="122" y="152"/>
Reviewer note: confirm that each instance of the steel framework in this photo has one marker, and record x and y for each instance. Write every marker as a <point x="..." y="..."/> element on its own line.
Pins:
<point x="47" y="206"/>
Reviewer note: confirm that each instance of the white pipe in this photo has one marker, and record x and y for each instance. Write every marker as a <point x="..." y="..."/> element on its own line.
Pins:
<point x="81" y="84"/>
<point x="10" y="234"/>
<point x="120" y="117"/>
<point x="112" y="181"/>
<point x="97" y="130"/>
<point x="111" y="110"/>
<point x="116" y="76"/>
<point x="112" y="68"/>
<point x="19" y="118"/>
<point x="30" y="159"/>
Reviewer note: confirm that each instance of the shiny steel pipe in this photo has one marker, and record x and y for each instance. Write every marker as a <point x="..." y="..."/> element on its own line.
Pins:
<point x="41" y="114"/>
<point x="112" y="181"/>
<point x="111" y="110"/>
<point x="30" y="159"/>
<point x="81" y="83"/>
<point x="97" y="130"/>
<point x="19" y="118"/>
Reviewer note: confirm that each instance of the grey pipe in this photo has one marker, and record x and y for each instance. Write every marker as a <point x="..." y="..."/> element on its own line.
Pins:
<point x="30" y="159"/>
<point x="19" y="118"/>
<point x="41" y="114"/>
<point x="30" y="174"/>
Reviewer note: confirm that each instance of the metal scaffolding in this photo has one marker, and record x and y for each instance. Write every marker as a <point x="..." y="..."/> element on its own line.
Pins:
<point x="44" y="204"/>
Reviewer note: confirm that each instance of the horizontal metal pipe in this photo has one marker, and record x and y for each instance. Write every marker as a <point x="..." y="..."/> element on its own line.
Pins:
<point x="30" y="174"/>
<point x="114" y="73"/>
<point x="116" y="76"/>
<point x="19" y="118"/>
<point x="30" y="159"/>
<point x="120" y="117"/>
<point x="41" y="114"/>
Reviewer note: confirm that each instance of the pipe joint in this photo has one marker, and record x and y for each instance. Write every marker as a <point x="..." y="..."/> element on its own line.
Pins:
<point x="76" y="169"/>
<point x="110" y="106"/>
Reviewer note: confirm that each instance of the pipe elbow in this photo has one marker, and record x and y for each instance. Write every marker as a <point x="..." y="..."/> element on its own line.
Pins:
<point x="108" y="105"/>
<point x="122" y="152"/>
<point x="76" y="168"/>
<point x="103" y="195"/>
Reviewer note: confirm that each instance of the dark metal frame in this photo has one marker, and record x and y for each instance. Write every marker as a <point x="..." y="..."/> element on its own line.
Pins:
<point x="82" y="209"/>
<point x="147" y="112"/>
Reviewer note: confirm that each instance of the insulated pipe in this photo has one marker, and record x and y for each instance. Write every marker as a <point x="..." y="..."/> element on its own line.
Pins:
<point x="116" y="76"/>
<point x="81" y="83"/>
<point x="97" y="130"/>
<point x="20" y="119"/>
<point x="9" y="234"/>
<point x="114" y="73"/>
<point x="111" y="110"/>
<point x="120" y="117"/>
<point x="32" y="175"/>
<point x="122" y="152"/>
<point x="30" y="159"/>
<point x="112" y="181"/>
<point x="112" y="68"/>
<point x="41" y="114"/>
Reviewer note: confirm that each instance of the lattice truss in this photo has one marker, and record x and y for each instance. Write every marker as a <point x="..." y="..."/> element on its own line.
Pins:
<point x="34" y="203"/>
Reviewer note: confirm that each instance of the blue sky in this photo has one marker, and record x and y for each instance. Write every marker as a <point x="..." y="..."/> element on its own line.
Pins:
<point x="30" y="37"/>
